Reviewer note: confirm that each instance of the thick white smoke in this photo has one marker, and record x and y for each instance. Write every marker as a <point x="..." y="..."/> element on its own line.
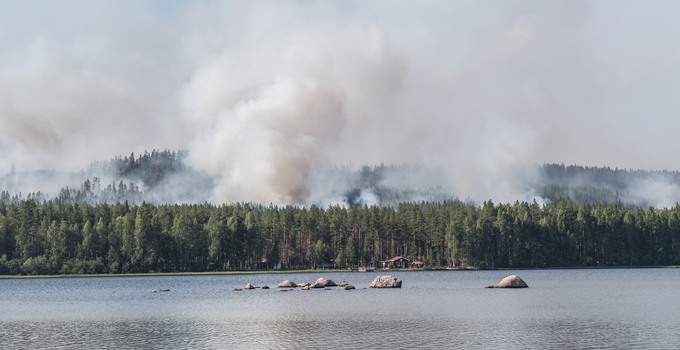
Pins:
<point x="81" y="81"/>
<point x="270" y="96"/>
<point x="267" y="130"/>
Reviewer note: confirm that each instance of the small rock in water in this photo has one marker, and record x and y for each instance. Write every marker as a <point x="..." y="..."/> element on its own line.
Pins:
<point x="265" y="287"/>
<point x="386" y="282"/>
<point x="512" y="281"/>
<point x="323" y="283"/>
<point x="238" y="289"/>
<point x="349" y="286"/>
<point x="249" y="286"/>
<point x="287" y="284"/>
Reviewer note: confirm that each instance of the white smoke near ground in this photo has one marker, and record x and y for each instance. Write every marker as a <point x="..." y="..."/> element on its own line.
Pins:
<point x="284" y="102"/>
<point x="266" y="134"/>
<point x="657" y="191"/>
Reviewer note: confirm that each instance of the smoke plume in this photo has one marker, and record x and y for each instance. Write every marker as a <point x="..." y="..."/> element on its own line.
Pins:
<point x="273" y="99"/>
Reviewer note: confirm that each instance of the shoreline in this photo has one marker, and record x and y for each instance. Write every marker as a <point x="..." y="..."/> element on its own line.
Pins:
<point x="280" y="272"/>
<point x="151" y="274"/>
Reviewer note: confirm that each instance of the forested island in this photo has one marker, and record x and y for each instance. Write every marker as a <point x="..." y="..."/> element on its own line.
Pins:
<point x="584" y="216"/>
<point x="66" y="238"/>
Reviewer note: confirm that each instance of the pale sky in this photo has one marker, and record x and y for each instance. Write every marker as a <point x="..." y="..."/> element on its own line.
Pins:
<point x="260" y="91"/>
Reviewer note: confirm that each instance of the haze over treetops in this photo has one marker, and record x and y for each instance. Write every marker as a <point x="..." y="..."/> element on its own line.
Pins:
<point x="271" y="98"/>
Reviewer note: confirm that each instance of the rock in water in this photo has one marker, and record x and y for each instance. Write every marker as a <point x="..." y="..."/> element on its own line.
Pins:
<point x="512" y="281"/>
<point x="349" y="286"/>
<point x="323" y="283"/>
<point x="249" y="286"/>
<point x="386" y="282"/>
<point x="287" y="284"/>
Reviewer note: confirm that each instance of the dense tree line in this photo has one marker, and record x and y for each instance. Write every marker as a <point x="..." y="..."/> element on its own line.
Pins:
<point x="53" y="237"/>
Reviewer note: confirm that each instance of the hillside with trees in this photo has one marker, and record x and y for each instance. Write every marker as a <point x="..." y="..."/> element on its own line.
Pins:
<point x="603" y="185"/>
<point x="161" y="177"/>
<point x="155" y="177"/>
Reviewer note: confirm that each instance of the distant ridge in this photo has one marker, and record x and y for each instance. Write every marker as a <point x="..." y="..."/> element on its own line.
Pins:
<point x="165" y="176"/>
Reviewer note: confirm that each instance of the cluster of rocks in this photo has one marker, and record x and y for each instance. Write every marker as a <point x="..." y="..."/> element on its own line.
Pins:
<point x="512" y="281"/>
<point x="250" y="286"/>
<point x="378" y="282"/>
<point x="319" y="283"/>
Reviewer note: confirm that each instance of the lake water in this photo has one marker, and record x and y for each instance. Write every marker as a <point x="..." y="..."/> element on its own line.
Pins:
<point x="561" y="309"/>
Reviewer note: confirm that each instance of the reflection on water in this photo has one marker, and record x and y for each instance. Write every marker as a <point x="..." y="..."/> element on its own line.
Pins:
<point x="578" y="309"/>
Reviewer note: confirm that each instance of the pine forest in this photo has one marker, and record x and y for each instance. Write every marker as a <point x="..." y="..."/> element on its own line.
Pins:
<point x="71" y="238"/>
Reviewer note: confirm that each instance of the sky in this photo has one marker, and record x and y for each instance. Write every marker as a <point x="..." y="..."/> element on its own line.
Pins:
<point x="266" y="95"/>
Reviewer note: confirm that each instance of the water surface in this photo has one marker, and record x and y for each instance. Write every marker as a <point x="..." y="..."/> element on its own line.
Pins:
<point x="577" y="309"/>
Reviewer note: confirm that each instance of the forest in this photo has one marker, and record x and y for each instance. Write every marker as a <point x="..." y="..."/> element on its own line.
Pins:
<point x="585" y="218"/>
<point x="53" y="237"/>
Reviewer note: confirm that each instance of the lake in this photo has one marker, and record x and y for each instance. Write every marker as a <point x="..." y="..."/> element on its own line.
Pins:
<point x="561" y="309"/>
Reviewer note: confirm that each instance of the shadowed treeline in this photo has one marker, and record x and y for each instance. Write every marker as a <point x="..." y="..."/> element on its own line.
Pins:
<point x="52" y="237"/>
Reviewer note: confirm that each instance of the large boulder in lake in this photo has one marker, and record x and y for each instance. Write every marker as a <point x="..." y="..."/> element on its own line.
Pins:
<point x="386" y="282"/>
<point x="323" y="283"/>
<point x="287" y="284"/>
<point x="512" y="281"/>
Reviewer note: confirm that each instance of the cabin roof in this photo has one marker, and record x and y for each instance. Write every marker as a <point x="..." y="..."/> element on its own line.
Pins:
<point x="398" y="257"/>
